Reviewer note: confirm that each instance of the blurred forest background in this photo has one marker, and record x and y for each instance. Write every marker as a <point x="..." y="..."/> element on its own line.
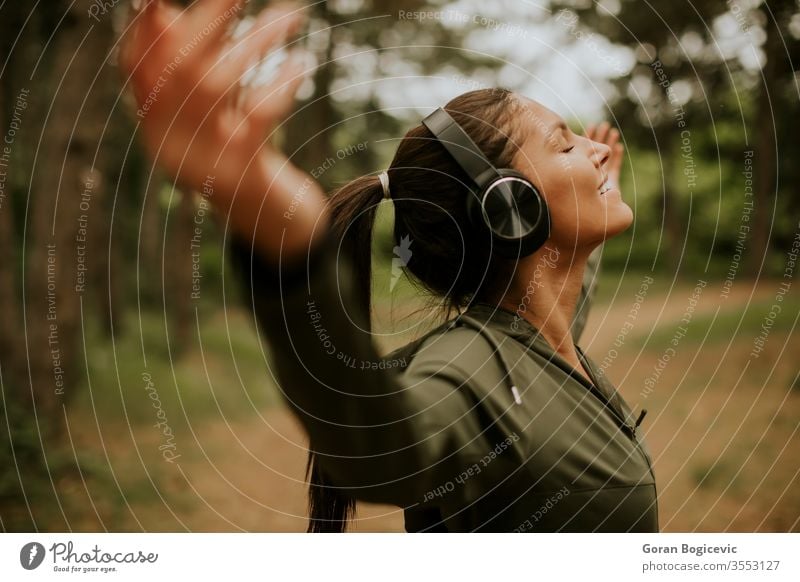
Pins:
<point x="120" y="317"/>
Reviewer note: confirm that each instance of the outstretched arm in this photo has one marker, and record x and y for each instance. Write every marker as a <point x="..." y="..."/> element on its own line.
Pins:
<point x="384" y="436"/>
<point x="203" y="126"/>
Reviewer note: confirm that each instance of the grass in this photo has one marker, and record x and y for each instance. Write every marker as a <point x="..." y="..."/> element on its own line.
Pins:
<point x="220" y="372"/>
<point x="728" y="323"/>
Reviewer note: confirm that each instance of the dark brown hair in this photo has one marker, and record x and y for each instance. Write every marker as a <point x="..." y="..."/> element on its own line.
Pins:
<point x="449" y="259"/>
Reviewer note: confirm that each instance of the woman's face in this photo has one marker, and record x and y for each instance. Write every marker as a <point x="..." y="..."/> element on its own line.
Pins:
<point x="570" y="171"/>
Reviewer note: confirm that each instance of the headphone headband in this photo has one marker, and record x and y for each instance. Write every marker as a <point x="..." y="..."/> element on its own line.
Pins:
<point x="460" y="145"/>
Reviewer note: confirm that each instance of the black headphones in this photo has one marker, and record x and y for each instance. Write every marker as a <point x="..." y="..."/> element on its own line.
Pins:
<point x="503" y="200"/>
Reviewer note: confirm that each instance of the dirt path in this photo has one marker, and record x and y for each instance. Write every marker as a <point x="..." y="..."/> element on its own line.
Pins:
<point x="666" y="307"/>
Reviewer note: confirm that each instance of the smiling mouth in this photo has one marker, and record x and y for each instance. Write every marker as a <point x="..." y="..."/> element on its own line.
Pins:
<point x="605" y="187"/>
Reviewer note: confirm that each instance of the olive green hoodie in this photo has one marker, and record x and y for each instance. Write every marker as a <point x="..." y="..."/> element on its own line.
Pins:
<point x="477" y="425"/>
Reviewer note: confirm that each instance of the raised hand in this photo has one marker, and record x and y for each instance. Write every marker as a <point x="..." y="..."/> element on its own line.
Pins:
<point x="604" y="133"/>
<point x="203" y="125"/>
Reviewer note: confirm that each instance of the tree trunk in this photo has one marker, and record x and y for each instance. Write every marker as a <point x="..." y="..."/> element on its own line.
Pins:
<point x="10" y="159"/>
<point x="316" y="122"/>
<point x="62" y="187"/>
<point x="766" y="161"/>
<point x="105" y="272"/>
<point x="9" y="306"/>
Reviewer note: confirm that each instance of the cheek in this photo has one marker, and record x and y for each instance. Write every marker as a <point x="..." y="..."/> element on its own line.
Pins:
<point x="568" y="216"/>
<point x="571" y="204"/>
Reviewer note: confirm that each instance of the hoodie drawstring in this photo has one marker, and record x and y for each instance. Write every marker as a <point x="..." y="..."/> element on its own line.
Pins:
<point x="482" y="329"/>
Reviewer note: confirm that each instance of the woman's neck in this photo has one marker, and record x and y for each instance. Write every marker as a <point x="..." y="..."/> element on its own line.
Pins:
<point x="545" y="292"/>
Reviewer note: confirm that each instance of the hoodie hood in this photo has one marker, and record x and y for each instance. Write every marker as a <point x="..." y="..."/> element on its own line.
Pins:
<point x="498" y="324"/>
<point x="509" y="323"/>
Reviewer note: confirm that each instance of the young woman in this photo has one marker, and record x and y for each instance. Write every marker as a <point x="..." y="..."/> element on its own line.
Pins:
<point x="494" y="421"/>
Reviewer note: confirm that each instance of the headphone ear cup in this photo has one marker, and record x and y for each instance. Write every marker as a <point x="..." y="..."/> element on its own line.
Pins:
<point x="515" y="213"/>
<point x="537" y="237"/>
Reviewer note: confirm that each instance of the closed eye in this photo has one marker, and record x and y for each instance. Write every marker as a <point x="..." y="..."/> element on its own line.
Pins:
<point x="569" y="149"/>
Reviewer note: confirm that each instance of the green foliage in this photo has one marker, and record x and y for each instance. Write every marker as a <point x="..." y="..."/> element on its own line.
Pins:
<point x="223" y="373"/>
<point x="20" y="449"/>
<point x="743" y="321"/>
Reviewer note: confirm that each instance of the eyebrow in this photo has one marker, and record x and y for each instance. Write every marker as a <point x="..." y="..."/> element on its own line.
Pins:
<point x="558" y="125"/>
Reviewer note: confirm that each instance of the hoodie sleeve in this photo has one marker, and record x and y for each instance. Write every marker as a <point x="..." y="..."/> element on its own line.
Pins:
<point x="381" y="435"/>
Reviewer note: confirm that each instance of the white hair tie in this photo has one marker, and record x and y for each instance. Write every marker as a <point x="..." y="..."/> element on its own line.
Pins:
<point x="384" y="178"/>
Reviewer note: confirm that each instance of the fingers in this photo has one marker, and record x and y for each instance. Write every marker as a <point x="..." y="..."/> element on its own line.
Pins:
<point x="266" y="104"/>
<point x="208" y="22"/>
<point x="604" y="133"/>
<point x="149" y="31"/>
<point x="130" y="44"/>
<point x="612" y="137"/>
<point x="272" y="28"/>
<point x="181" y="30"/>
<point x="616" y="154"/>
<point x="168" y="45"/>
<point x="601" y="133"/>
<point x="616" y="147"/>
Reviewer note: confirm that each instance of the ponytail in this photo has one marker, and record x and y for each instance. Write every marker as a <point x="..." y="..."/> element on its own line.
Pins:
<point x="353" y="209"/>
<point x="431" y="188"/>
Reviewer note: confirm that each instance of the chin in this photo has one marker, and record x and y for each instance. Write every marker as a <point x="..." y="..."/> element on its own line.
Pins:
<point x="619" y="220"/>
<point x="601" y="223"/>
